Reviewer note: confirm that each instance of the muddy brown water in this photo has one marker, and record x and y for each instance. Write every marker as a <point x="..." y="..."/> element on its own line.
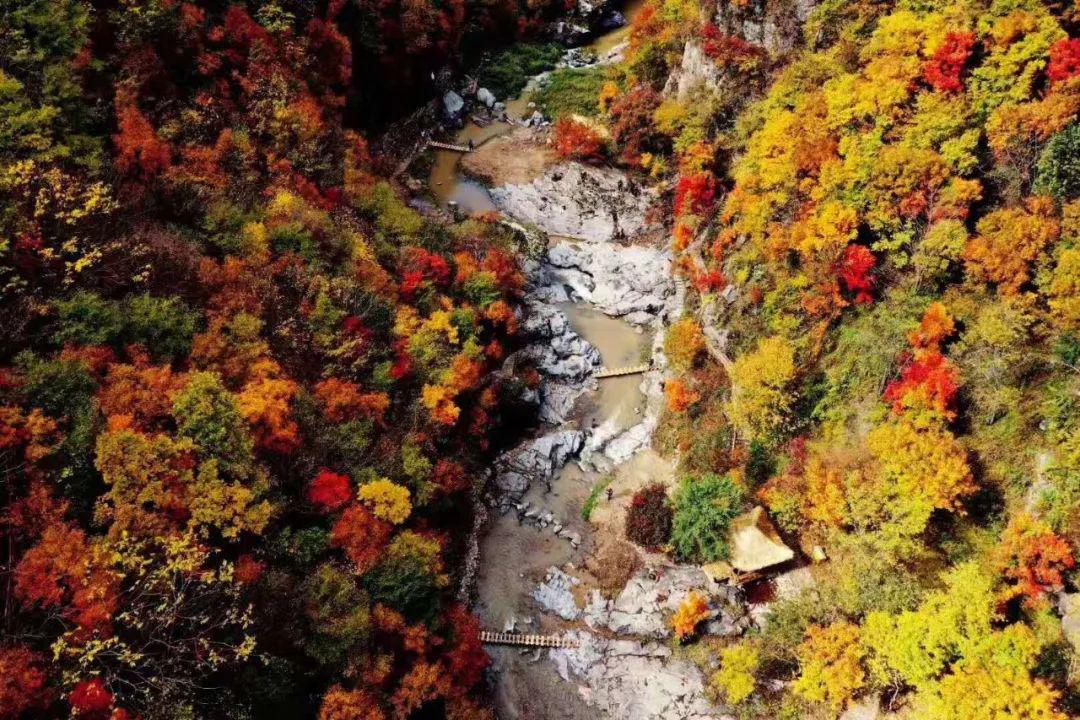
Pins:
<point x="515" y="557"/>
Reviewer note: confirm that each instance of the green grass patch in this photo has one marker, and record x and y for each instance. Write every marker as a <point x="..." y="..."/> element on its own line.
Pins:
<point x="571" y="91"/>
<point x="507" y="73"/>
<point x="594" y="497"/>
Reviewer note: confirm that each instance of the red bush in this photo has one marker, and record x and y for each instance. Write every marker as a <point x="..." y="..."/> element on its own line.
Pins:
<point x="729" y="51"/>
<point x="854" y="271"/>
<point x="695" y="193"/>
<point x="943" y="71"/>
<point x="929" y="380"/>
<point x="576" y="140"/>
<point x="648" y="519"/>
<point x="329" y="491"/>
<point x="22" y="682"/>
<point x="420" y="269"/>
<point x="91" y="697"/>
<point x="1064" y="60"/>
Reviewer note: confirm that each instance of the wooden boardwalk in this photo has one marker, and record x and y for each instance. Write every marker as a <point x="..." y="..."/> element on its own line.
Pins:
<point x="449" y="146"/>
<point x="509" y="638"/>
<point x="618" y="372"/>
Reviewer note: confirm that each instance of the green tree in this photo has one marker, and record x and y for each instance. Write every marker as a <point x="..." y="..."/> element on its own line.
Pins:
<point x="1058" y="170"/>
<point x="206" y="412"/>
<point x="338" y="610"/>
<point x="704" y="509"/>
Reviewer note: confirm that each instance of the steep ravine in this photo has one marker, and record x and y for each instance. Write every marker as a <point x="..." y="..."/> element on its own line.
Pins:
<point x="600" y="294"/>
<point x="592" y="301"/>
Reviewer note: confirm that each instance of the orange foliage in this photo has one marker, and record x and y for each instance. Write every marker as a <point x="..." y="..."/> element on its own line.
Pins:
<point x="1009" y="242"/>
<point x="139" y="149"/>
<point x="679" y="396"/>
<point x="361" y="535"/>
<point x="63" y="568"/>
<point x="342" y="401"/>
<point x="355" y="704"/>
<point x="574" y="139"/>
<point x="266" y="403"/>
<point x="691" y="612"/>
<point x="144" y="392"/>
<point x="424" y="682"/>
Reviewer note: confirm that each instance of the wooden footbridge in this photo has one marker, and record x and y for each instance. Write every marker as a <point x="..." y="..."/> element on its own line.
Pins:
<point x="540" y="641"/>
<point x="618" y="372"/>
<point x="449" y="146"/>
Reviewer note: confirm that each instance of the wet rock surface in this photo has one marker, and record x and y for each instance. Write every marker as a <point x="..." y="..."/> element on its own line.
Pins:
<point x="556" y="594"/>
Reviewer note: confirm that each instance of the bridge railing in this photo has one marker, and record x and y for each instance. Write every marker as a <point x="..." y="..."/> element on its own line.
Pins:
<point x="522" y="639"/>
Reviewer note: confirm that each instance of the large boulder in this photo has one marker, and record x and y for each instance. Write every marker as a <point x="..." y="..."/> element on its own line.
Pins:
<point x="453" y="104"/>
<point x="485" y="96"/>
<point x="631" y="282"/>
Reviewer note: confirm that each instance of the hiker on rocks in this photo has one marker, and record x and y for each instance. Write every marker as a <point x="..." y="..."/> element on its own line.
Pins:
<point x="610" y="494"/>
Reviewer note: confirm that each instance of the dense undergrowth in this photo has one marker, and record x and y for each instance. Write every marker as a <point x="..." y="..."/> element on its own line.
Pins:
<point x="244" y="390"/>
<point x="880" y="223"/>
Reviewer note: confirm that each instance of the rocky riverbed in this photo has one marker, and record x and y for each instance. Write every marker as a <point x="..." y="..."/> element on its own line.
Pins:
<point x="600" y="293"/>
<point x="601" y="297"/>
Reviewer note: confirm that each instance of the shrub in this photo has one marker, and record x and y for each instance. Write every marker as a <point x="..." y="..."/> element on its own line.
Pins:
<point x="165" y="326"/>
<point x="704" y="509"/>
<point x="507" y="73"/>
<point x="571" y="91"/>
<point x="575" y="139"/>
<point x="207" y="413"/>
<point x="594" y="497"/>
<point x="683" y="343"/>
<point x="648" y="519"/>
<point x="735" y="678"/>
<point x="87" y="319"/>
<point x="338" y="611"/>
<point x="410" y="576"/>
<point x="691" y="612"/>
<point x="59" y="387"/>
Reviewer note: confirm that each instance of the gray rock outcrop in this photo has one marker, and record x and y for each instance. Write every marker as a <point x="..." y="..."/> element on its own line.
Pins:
<point x="486" y="96"/>
<point x="556" y="594"/>
<point x="629" y="282"/>
<point x="633" y="680"/>
<point x="579" y="201"/>
<point x="534" y="461"/>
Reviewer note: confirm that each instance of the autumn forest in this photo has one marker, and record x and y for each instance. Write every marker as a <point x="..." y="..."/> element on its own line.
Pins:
<point x="275" y="401"/>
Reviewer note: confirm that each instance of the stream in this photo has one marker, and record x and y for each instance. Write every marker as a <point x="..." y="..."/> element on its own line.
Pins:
<point x="601" y="297"/>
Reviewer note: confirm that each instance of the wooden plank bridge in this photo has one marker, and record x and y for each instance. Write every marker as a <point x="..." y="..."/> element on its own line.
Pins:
<point x="618" y="372"/>
<point x="449" y="146"/>
<point x="510" y="638"/>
